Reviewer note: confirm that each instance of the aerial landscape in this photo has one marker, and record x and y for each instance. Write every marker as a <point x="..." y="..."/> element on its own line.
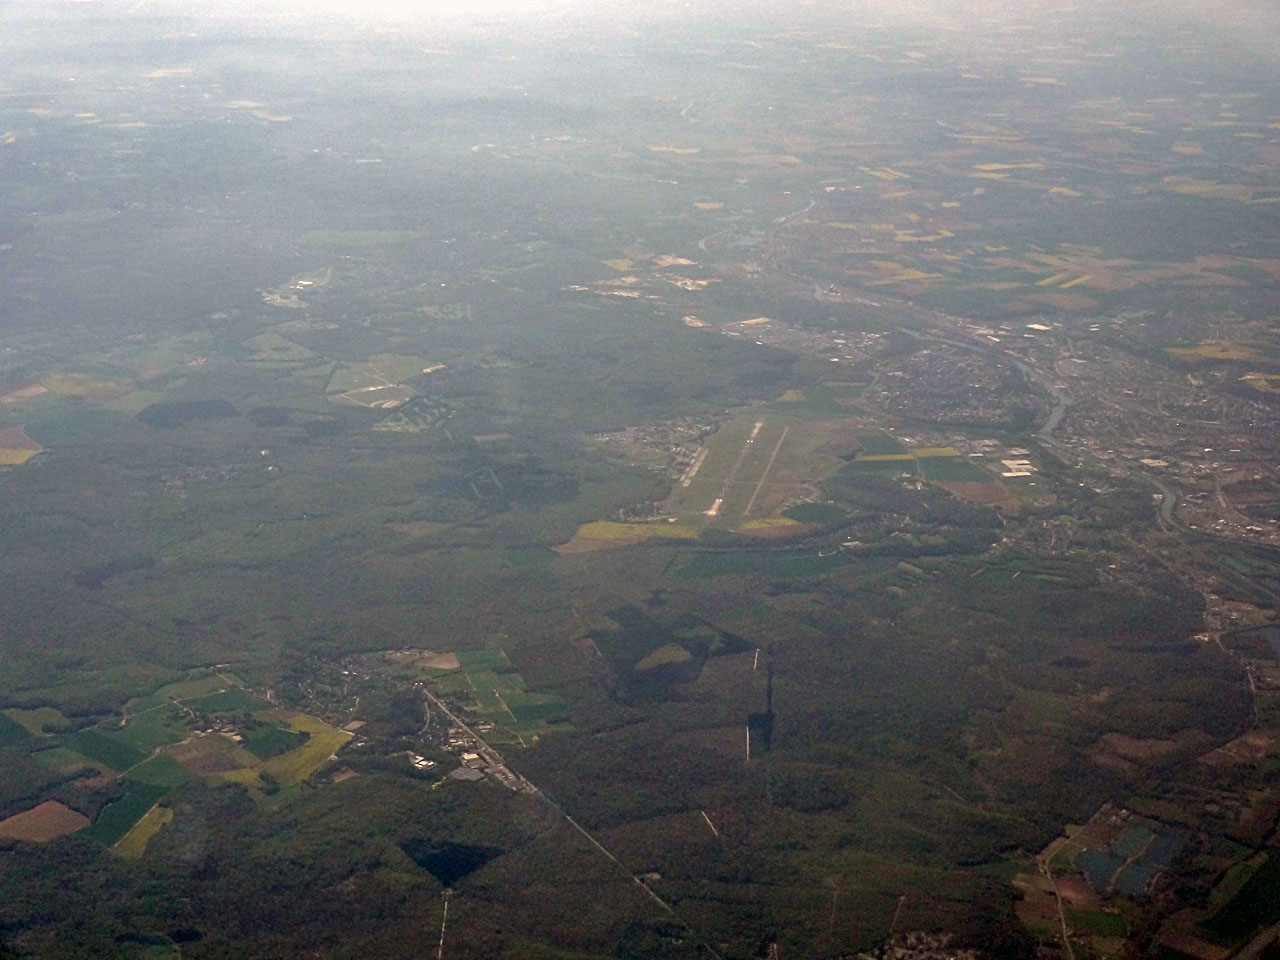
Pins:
<point x="570" y="481"/>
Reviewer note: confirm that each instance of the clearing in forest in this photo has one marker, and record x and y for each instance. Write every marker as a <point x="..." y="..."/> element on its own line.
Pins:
<point x="42" y="823"/>
<point x="378" y="382"/>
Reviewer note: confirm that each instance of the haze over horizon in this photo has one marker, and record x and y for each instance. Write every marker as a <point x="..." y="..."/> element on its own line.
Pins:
<point x="566" y="480"/>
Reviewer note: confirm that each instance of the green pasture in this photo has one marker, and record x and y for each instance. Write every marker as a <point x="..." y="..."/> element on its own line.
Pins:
<point x="880" y="444"/>
<point x="62" y="760"/>
<point x="118" y="817"/>
<point x="498" y="693"/>
<point x="1254" y="902"/>
<point x="234" y="700"/>
<point x="11" y="731"/>
<point x="37" y="720"/>
<point x="154" y="728"/>
<point x="1100" y="923"/>
<point x="160" y="770"/>
<point x="952" y="468"/>
<point x="773" y="564"/>
<point x="269" y="741"/>
<point x="105" y="747"/>
<point x="819" y="513"/>
<point x="180" y="690"/>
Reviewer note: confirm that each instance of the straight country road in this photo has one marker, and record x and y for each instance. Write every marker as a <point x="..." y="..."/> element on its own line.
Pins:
<point x="521" y="784"/>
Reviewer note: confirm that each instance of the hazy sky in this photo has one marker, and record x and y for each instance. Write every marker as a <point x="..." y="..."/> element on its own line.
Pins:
<point x="1250" y="26"/>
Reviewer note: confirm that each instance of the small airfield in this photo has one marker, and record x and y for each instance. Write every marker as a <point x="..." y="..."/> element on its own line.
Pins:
<point x="777" y="470"/>
<point x="378" y="382"/>
<point x="748" y="475"/>
<point x="748" y="471"/>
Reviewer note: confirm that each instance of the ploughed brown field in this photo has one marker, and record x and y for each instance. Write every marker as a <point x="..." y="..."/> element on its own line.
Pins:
<point x="43" y="823"/>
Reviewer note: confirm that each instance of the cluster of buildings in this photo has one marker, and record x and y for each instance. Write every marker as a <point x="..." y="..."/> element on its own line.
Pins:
<point x="668" y="446"/>
<point x="1017" y="468"/>
<point x="479" y="762"/>
<point x="922" y="945"/>
<point x="421" y="763"/>
<point x="849" y="347"/>
<point x="942" y="383"/>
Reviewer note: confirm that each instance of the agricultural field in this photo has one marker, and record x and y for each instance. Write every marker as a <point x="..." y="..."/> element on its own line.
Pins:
<point x="105" y="747"/>
<point x="322" y="742"/>
<point x="492" y="691"/>
<point x="941" y="464"/>
<point x="1044" y="569"/>
<point x="1264" y="355"/>
<point x="231" y="700"/>
<point x="63" y="760"/>
<point x="770" y="564"/>
<point x="118" y="817"/>
<point x="160" y="770"/>
<point x="949" y="468"/>
<point x="817" y="513"/>
<point x="152" y="751"/>
<point x="379" y="382"/>
<point x="160" y="719"/>
<point x="297" y="764"/>
<point x="165" y="742"/>
<point x="16" y="448"/>
<point x="211" y="754"/>
<point x="606" y="534"/>
<point x="11" y="731"/>
<point x="133" y="844"/>
<point x="825" y="400"/>
<point x="1097" y="923"/>
<point x="155" y="727"/>
<point x="84" y="387"/>
<point x="202" y="684"/>
<point x="274" y="352"/>
<point x="875" y="445"/>
<point x="1247" y="899"/>
<point x="1117" y="853"/>
<point x="39" y="720"/>
<point x="153" y="358"/>
<point x="269" y="740"/>
<point x="43" y="823"/>
<point x="883" y="465"/>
